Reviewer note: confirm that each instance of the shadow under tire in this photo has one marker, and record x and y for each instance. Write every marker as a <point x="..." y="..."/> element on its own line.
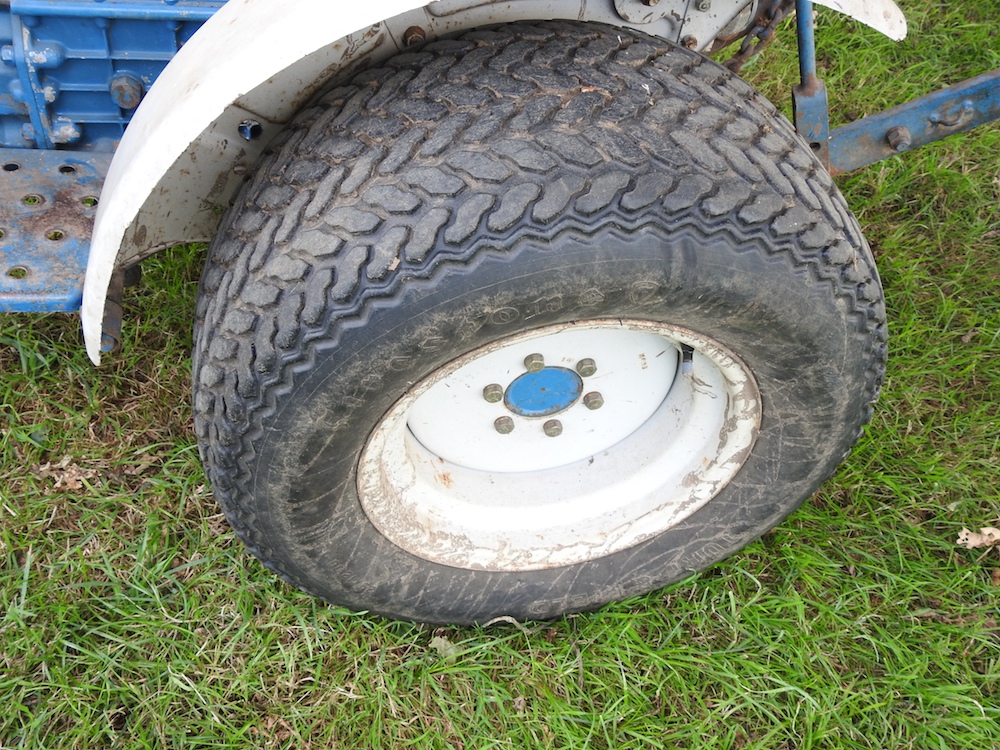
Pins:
<point x="406" y="316"/>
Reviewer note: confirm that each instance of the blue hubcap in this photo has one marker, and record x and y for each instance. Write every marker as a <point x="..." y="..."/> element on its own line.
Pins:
<point x="543" y="393"/>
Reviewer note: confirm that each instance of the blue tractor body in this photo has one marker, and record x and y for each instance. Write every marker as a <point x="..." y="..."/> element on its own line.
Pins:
<point x="73" y="73"/>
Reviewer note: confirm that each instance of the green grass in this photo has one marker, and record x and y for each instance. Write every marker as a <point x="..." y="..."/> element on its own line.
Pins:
<point x="133" y="619"/>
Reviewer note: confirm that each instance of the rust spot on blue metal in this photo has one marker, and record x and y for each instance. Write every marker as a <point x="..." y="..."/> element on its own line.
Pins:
<point x="47" y="208"/>
<point x="930" y="118"/>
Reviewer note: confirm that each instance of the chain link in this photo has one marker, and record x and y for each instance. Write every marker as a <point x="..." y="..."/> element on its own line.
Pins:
<point x="759" y="33"/>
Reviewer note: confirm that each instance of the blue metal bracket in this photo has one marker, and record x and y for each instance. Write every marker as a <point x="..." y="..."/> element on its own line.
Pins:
<point x="809" y="101"/>
<point x="47" y="204"/>
<point x="916" y="123"/>
<point x="72" y="72"/>
<point x="870" y="139"/>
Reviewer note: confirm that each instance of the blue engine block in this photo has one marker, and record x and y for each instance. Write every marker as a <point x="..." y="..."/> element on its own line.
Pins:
<point x="72" y="74"/>
<point x="74" y="70"/>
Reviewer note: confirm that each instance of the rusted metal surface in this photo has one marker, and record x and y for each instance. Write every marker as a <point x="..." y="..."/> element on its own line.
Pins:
<point x="47" y="204"/>
<point x="812" y="116"/>
<point x="757" y="34"/>
<point x="126" y="90"/>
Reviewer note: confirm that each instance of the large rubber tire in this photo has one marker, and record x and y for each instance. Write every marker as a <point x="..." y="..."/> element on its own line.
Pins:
<point x="531" y="179"/>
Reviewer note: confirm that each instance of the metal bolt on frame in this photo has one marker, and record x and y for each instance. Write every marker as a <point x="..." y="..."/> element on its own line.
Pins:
<point x="899" y="138"/>
<point x="414" y="35"/>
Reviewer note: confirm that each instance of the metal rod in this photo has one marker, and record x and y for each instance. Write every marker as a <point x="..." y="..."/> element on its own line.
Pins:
<point x="809" y="103"/>
<point x="807" y="41"/>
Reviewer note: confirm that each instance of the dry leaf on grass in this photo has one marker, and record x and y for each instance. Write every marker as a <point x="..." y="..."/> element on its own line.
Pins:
<point x="447" y="650"/>
<point x="66" y="473"/>
<point x="143" y="465"/>
<point x="987" y="537"/>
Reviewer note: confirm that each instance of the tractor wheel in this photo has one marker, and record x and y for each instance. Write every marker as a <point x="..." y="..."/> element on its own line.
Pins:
<point x="526" y="321"/>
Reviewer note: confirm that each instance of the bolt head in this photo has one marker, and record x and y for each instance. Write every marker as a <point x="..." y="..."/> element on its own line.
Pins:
<point x="250" y="130"/>
<point x="553" y="428"/>
<point x="650" y="3"/>
<point x="504" y="425"/>
<point x="493" y="393"/>
<point x="899" y="138"/>
<point x="593" y="400"/>
<point x="414" y="35"/>
<point x="704" y="5"/>
<point x="586" y="367"/>
<point x="534" y="362"/>
<point x="126" y="91"/>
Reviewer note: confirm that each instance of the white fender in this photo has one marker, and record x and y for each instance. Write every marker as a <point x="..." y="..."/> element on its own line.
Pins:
<point x="882" y="15"/>
<point x="193" y="110"/>
<point x="182" y="157"/>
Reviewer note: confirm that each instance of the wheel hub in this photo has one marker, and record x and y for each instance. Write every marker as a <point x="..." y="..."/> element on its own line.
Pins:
<point x="473" y="420"/>
<point x="543" y="393"/>
<point x="486" y="477"/>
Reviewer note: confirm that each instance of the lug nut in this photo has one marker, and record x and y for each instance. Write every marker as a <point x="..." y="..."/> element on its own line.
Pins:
<point x="504" y="425"/>
<point x="493" y="393"/>
<point x="534" y="362"/>
<point x="553" y="428"/>
<point x="593" y="400"/>
<point x="704" y="5"/>
<point x="586" y="367"/>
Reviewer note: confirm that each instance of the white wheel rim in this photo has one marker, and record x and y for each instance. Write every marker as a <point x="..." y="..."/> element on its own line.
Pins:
<point x="455" y="476"/>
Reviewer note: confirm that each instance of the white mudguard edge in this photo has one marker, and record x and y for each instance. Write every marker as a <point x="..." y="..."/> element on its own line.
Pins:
<point x="240" y="47"/>
<point x="259" y="60"/>
<point x="882" y="15"/>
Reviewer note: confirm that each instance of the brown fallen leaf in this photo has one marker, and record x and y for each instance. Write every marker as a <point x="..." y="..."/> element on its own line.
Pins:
<point x="995" y="577"/>
<point x="987" y="537"/>
<point x="67" y="474"/>
<point x="447" y="650"/>
<point x="140" y="467"/>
